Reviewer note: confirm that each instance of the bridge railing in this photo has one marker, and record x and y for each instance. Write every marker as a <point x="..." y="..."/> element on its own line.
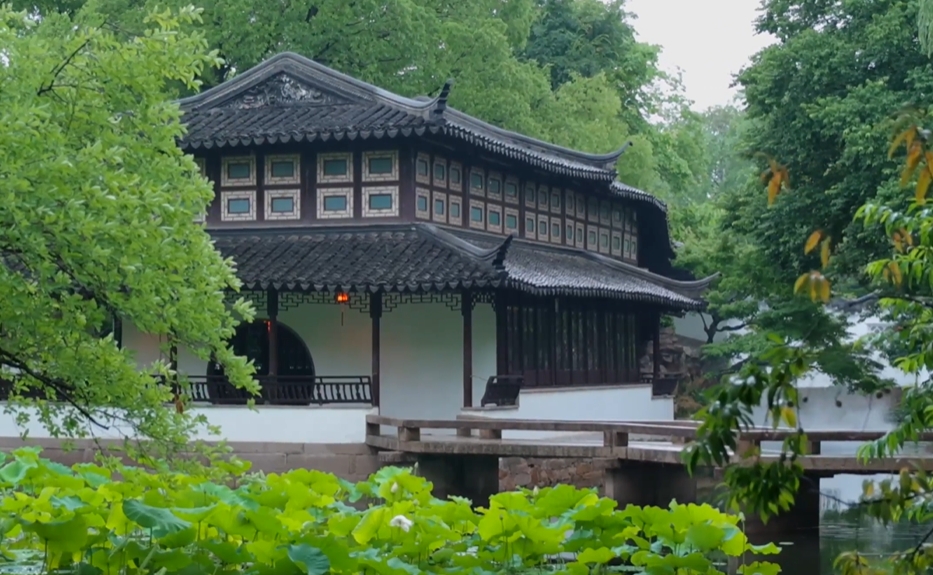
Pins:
<point x="615" y="434"/>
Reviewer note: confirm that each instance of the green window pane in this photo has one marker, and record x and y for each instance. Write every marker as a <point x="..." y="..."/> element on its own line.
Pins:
<point x="604" y="213"/>
<point x="511" y="221"/>
<point x="335" y="203"/>
<point x="604" y="241"/>
<point x="476" y="214"/>
<point x="440" y="172"/>
<point x="569" y="233"/>
<point x="380" y="201"/>
<point x="616" y="216"/>
<point x="591" y="238"/>
<point x="238" y="170"/>
<point x="454" y="175"/>
<point x="380" y="165"/>
<point x="555" y="200"/>
<point x="422" y="167"/>
<point x="455" y="210"/>
<point x="495" y="218"/>
<point x="422" y="203"/>
<point x="283" y="205"/>
<point x="335" y="167"/>
<point x="570" y="203"/>
<point x="238" y="206"/>
<point x="511" y="190"/>
<point x="476" y="181"/>
<point x="439" y="207"/>
<point x="495" y="186"/>
<point x="542" y="226"/>
<point x="283" y="169"/>
<point x="616" y="243"/>
<point x="555" y="230"/>
<point x="530" y="225"/>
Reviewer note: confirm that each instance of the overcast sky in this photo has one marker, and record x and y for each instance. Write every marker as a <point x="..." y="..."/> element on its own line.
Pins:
<point x="710" y="40"/>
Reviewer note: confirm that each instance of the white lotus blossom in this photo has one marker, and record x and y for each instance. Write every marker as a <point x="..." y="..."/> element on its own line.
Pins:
<point x="535" y="492"/>
<point x="401" y="522"/>
<point x="395" y="487"/>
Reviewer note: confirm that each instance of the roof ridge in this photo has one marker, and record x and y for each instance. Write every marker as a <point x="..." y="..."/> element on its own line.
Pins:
<point x="692" y="289"/>
<point x="493" y="256"/>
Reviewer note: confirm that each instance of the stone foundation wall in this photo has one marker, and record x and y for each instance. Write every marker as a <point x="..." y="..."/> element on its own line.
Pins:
<point x="519" y="472"/>
<point x="350" y="461"/>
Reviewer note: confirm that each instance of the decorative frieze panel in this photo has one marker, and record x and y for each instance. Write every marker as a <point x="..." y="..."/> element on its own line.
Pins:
<point x="390" y="301"/>
<point x="259" y="299"/>
<point x="289" y="300"/>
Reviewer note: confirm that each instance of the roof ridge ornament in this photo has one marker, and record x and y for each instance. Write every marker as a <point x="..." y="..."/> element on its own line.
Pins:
<point x="282" y="89"/>
<point x="440" y="103"/>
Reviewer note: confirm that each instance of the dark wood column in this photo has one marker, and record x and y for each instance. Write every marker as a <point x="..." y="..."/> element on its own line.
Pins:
<point x="466" y="303"/>
<point x="375" y="313"/>
<point x="656" y="347"/>
<point x="272" y="305"/>
<point x="502" y="333"/>
<point x="118" y="331"/>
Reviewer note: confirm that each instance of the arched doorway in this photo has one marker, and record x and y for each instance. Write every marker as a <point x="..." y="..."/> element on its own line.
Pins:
<point x="252" y="340"/>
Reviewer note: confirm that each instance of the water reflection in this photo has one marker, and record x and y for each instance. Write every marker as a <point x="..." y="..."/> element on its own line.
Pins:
<point x="842" y="528"/>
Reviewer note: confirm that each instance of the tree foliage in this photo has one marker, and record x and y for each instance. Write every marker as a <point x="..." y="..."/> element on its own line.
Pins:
<point x="98" y="223"/>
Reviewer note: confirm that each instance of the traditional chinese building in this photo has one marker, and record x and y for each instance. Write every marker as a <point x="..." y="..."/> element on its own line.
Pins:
<point x="408" y="258"/>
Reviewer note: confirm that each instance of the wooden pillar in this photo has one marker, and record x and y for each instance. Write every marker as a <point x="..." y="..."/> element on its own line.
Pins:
<point x="466" y="308"/>
<point x="656" y="348"/>
<point x="272" y="310"/>
<point x="375" y="313"/>
<point x="502" y="333"/>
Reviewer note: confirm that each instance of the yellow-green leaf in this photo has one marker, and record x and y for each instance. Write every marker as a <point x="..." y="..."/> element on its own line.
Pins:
<point x="789" y="416"/>
<point x="801" y="283"/>
<point x="824" y="252"/>
<point x="923" y="184"/>
<point x="813" y="241"/>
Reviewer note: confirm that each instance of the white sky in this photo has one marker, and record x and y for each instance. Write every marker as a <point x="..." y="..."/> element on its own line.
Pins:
<point x="709" y="40"/>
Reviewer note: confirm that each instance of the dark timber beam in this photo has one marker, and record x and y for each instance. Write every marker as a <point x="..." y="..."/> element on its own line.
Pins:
<point x="272" y="310"/>
<point x="466" y="303"/>
<point x="656" y="347"/>
<point x="375" y="313"/>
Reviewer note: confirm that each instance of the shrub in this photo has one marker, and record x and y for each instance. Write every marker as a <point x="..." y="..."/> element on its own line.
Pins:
<point x="84" y="520"/>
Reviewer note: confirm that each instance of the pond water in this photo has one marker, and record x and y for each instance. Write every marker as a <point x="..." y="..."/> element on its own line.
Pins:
<point x="842" y="529"/>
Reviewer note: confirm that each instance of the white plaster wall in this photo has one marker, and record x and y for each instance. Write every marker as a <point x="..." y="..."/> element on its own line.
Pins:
<point x="615" y="403"/>
<point x="148" y="349"/>
<point x="339" y="424"/>
<point x="338" y="345"/>
<point x="422" y="360"/>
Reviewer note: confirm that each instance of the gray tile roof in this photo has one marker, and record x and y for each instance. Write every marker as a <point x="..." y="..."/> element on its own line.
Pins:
<point x="424" y="257"/>
<point x="290" y="98"/>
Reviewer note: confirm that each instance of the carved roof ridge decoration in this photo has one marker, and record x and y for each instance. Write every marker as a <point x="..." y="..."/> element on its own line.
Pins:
<point x="494" y="256"/>
<point x="258" y="107"/>
<point x="693" y="289"/>
<point x="625" y="191"/>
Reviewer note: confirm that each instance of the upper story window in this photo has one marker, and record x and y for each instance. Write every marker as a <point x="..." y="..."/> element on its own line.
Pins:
<point x="531" y="198"/>
<point x="239" y="171"/>
<point x="476" y="183"/>
<point x="337" y="167"/>
<point x="494" y="186"/>
<point x="511" y="190"/>
<point x="440" y="173"/>
<point x="422" y="168"/>
<point x="380" y="166"/>
<point x="283" y="169"/>
<point x="455" y="176"/>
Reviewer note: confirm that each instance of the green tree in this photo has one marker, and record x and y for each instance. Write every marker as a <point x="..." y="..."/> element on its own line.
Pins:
<point x="820" y="100"/>
<point x="98" y="223"/>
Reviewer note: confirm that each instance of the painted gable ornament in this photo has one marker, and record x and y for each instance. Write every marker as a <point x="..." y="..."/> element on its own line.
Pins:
<point x="282" y="90"/>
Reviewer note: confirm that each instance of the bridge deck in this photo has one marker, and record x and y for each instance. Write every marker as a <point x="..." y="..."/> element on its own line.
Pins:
<point x="657" y="442"/>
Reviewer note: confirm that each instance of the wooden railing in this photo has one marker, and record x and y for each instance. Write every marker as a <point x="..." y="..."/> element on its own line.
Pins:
<point x="502" y="390"/>
<point x="285" y="390"/>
